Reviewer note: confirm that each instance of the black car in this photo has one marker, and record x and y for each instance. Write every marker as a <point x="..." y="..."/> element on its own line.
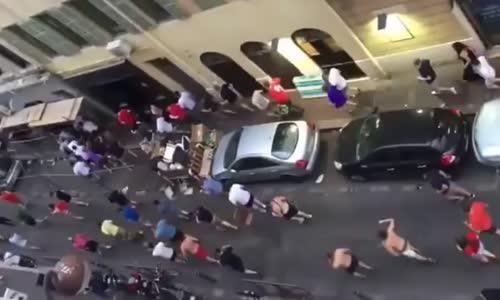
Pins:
<point x="403" y="142"/>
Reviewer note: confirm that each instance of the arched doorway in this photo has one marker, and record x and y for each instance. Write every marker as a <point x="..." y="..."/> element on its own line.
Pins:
<point x="227" y="69"/>
<point x="271" y="61"/>
<point x="325" y="52"/>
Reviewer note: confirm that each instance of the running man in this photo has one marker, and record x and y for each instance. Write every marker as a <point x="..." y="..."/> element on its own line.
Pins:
<point x="12" y="259"/>
<point x="20" y="241"/>
<point x="162" y="251"/>
<point x="110" y="229"/>
<point x="165" y="230"/>
<point x="81" y="241"/>
<point x="471" y="245"/>
<point x="228" y="258"/>
<point x="240" y="196"/>
<point x="343" y="258"/>
<point x="441" y="182"/>
<point x="192" y="246"/>
<point x="68" y="198"/>
<point x="281" y="208"/>
<point x="203" y="215"/>
<point x="62" y="208"/>
<point x="478" y="218"/>
<point x="396" y="245"/>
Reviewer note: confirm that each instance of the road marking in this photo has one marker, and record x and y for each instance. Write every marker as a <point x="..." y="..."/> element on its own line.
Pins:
<point x="409" y="188"/>
<point x="379" y="188"/>
<point x="486" y="187"/>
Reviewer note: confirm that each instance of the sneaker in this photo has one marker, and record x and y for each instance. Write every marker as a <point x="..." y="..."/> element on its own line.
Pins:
<point x="454" y="90"/>
<point x="435" y="92"/>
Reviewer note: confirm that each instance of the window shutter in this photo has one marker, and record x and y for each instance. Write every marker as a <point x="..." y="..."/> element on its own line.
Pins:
<point x="172" y="7"/>
<point x="24" y="47"/>
<point x="114" y="15"/>
<point x="134" y="13"/>
<point x="81" y="25"/>
<point x="50" y="37"/>
<point x="208" y="4"/>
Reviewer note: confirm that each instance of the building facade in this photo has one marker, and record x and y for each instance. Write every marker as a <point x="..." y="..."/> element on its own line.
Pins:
<point x="189" y="44"/>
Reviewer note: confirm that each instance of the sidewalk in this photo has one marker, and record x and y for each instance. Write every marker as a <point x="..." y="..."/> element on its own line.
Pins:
<point x="403" y="91"/>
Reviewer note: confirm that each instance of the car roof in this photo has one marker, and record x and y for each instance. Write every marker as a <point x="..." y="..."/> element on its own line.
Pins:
<point x="486" y="132"/>
<point x="257" y="140"/>
<point x="405" y="127"/>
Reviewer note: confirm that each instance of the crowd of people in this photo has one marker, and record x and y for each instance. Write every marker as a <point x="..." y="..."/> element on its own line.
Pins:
<point x="477" y="221"/>
<point x="90" y="148"/>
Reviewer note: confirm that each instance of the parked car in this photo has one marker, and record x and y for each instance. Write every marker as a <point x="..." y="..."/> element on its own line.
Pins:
<point x="10" y="170"/>
<point x="266" y="151"/>
<point x="403" y="142"/>
<point x="486" y="134"/>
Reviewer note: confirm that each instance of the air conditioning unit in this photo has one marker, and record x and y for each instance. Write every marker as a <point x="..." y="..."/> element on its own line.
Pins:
<point x="120" y="48"/>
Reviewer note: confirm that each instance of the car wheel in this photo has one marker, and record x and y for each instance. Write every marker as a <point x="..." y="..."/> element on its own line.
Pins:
<point x="359" y="178"/>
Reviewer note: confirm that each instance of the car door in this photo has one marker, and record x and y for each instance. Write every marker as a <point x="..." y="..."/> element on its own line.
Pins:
<point x="381" y="163"/>
<point x="255" y="168"/>
<point x="416" y="160"/>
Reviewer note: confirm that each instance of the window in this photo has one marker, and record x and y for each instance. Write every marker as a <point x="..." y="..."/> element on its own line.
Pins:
<point x="232" y="149"/>
<point x="418" y="154"/>
<point x="385" y="156"/>
<point x="285" y="140"/>
<point x="15" y="29"/>
<point x="208" y="4"/>
<point x="152" y="9"/>
<point x="97" y="16"/>
<point x="252" y="163"/>
<point x="61" y="29"/>
<point x="13" y="57"/>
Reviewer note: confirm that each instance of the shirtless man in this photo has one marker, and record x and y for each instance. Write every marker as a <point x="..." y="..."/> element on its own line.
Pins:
<point x="397" y="246"/>
<point x="282" y="208"/>
<point x="343" y="258"/>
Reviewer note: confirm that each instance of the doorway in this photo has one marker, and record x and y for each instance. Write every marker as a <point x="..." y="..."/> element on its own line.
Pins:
<point x="170" y="69"/>
<point x="271" y="61"/>
<point x="227" y="69"/>
<point x="121" y="83"/>
<point x="326" y="53"/>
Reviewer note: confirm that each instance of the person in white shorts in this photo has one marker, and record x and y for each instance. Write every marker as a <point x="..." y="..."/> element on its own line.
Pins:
<point x="162" y="251"/>
<point x="239" y="196"/>
<point x="398" y="246"/>
<point x="20" y="241"/>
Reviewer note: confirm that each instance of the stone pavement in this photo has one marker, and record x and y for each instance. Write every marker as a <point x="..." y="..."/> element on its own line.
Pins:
<point x="404" y="91"/>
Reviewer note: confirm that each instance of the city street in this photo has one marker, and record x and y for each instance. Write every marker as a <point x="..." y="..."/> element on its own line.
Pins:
<point x="345" y="215"/>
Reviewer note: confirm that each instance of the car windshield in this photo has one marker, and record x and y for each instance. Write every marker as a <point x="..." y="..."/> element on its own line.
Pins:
<point x="232" y="149"/>
<point x="285" y="140"/>
<point x="366" y="137"/>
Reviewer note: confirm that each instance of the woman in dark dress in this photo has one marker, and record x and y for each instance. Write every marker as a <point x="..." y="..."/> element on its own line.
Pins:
<point x="466" y="55"/>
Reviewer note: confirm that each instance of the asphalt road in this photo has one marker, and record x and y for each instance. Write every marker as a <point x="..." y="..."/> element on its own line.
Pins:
<point x="345" y="215"/>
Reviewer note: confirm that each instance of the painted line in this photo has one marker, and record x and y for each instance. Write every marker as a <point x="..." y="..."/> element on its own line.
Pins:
<point x="379" y="188"/>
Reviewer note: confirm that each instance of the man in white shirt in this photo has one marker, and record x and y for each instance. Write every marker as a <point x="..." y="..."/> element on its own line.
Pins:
<point x="81" y="168"/>
<point x="163" y="126"/>
<point x="186" y="101"/>
<point x="12" y="259"/>
<point x="160" y="250"/>
<point x="239" y="196"/>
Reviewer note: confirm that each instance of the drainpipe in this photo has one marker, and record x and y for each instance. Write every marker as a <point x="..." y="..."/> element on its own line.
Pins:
<point x="159" y="43"/>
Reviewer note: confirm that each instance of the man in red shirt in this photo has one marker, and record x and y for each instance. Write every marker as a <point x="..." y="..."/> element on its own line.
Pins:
<point x="479" y="220"/>
<point x="471" y="246"/>
<point x="12" y="198"/>
<point x="176" y="112"/>
<point x="127" y="117"/>
<point x="62" y="207"/>
<point x="83" y="242"/>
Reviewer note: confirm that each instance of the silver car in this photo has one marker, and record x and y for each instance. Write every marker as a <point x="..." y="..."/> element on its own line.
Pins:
<point x="266" y="151"/>
<point x="486" y="134"/>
